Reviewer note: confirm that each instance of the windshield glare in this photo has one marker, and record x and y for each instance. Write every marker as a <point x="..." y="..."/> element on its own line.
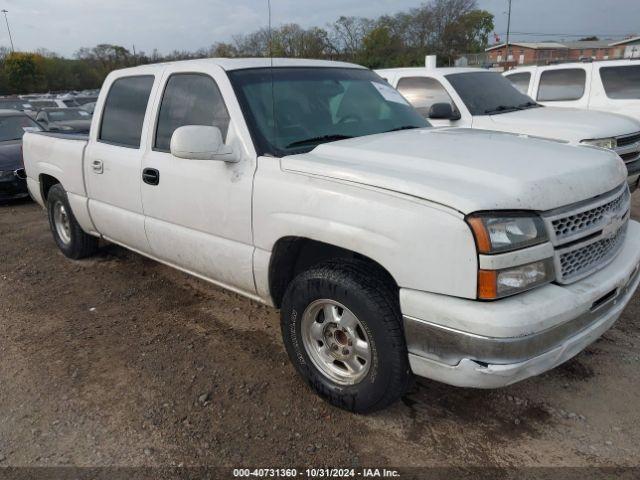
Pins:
<point x="488" y="93"/>
<point x="308" y="106"/>
<point x="13" y="128"/>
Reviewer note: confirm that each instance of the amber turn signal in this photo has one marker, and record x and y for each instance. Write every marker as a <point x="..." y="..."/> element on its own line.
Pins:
<point x="483" y="241"/>
<point x="487" y="284"/>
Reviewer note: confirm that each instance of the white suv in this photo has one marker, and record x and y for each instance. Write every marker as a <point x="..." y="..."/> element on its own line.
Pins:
<point x="610" y="86"/>
<point x="480" y="99"/>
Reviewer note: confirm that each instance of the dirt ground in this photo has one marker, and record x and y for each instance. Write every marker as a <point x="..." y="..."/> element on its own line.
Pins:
<point x="118" y="360"/>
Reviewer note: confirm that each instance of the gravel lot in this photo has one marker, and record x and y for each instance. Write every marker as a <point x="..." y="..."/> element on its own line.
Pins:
<point x="118" y="360"/>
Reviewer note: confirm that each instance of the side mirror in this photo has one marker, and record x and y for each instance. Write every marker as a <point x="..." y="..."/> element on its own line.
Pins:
<point x="443" y="111"/>
<point x="201" y="142"/>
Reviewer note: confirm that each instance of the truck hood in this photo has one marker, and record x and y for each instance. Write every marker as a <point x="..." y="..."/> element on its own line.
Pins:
<point x="568" y="124"/>
<point x="468" y="170"/>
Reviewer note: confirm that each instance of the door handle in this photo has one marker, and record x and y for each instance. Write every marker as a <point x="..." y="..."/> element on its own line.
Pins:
<point x="151" y="176"/>
<point x="97" y="166"/>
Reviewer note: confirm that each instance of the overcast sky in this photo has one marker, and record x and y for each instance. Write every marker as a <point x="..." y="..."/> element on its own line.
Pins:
<point x="63" y="26"/>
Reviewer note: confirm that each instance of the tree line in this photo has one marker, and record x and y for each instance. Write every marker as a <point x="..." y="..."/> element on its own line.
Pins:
<point x="446" y="28"/>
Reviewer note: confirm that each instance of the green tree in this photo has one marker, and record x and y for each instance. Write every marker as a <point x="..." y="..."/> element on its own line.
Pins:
<point x="380" y="48"/>
<point x="24" y="72"/>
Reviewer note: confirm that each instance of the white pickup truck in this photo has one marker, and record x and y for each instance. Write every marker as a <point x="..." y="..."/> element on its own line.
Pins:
<point x="477" y="98"/>
<point x="470" y="257"/>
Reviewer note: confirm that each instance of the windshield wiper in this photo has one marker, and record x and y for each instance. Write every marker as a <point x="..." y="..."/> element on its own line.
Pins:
<point x="526" y="105"/>
<point x="404" y="127"/>
<point x="502" y="109"/>
<point x="320" y="139"/>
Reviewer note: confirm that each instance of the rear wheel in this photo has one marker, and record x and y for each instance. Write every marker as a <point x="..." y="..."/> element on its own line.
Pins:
<point x="67" y="233"/>
<point x="342" y="329"/>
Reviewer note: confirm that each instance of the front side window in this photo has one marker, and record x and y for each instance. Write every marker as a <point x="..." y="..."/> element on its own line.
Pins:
<point x="621" y="83"/>
<point x="124" y="111"/>
<point x="293" y="110"/>
<point x="520" y="81"/>
<point x="423" y="92"/>
<point x="190" y="99"/>
<point x="562" y="85"/>
<point x="488" y="93"/>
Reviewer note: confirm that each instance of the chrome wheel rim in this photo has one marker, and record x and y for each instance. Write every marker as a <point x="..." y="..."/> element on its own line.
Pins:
<point x="62" y="223"/>
<point x="336" y="342"/>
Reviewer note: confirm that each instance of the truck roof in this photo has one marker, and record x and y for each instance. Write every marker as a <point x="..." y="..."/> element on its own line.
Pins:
<point x="242" y="63"/>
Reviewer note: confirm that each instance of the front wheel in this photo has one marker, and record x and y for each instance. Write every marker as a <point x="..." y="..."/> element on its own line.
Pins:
<point x="342" y="329"/>
<point x="67" y="233"/>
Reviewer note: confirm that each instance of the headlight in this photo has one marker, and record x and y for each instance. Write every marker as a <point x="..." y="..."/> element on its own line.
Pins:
<point x="504" y="232"/>
<point x="608" y="143"/>
<point x="494" y="284"/>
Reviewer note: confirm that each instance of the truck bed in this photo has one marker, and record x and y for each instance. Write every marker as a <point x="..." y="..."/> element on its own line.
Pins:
<point x="66" y="136"/>
<point x="56" y="155"/>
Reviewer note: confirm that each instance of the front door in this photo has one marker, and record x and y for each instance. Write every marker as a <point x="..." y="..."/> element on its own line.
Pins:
<point x="198" y="212"/>
<point x="113" y="159"/>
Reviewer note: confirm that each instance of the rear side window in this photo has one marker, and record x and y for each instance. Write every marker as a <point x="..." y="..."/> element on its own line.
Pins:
<point x="190" y="99"/>
<point x="621" y="82"/>
<point x="423" y="92"/>
<point x="520" y="81"/>
<point x="562" y="85"/>
<point x="124" y="111"/>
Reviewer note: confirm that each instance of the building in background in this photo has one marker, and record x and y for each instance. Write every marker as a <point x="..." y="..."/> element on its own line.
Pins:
<point x="543" y="53"/>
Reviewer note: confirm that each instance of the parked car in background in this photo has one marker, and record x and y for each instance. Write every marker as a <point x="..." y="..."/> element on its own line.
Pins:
<point x="67" y="120"/>
<point x="83" y="100"/>
<point x="470" y="257"/>
<point x="610" y="85"/>
<point x="89" y="107"/>
<point x="40" y="103"/>
<point x="476" y="98"/>
<point x="13" y="126"/>
<point x="16" y="104"/>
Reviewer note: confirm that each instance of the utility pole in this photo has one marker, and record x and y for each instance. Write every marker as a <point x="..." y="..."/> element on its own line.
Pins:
<point x="508" y="29"/>
<point x="8" y="29"/>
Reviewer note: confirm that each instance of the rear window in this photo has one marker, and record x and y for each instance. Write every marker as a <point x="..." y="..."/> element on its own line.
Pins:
<point x="622" y="83"/>
<point x="562" y="85"/>
<point x="520" y="81"/>
<point x="124" y="111"/>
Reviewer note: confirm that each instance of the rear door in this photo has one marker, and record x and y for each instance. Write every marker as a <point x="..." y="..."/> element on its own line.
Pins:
<point x="198" y="212"/>
<point x="112" y="165"/>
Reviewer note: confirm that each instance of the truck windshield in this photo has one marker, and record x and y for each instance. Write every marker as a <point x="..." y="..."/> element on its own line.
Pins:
<point x="293" y="110"/>
<point x="489" y="93"/>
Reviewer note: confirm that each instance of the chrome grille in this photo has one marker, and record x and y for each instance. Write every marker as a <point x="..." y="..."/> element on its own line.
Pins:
<point x="580" y="262"/>
<point x="588" y="235"/>
<point x="628" y="140"/>
<point x="584" y="221"/>
<point x="628" y="147"/>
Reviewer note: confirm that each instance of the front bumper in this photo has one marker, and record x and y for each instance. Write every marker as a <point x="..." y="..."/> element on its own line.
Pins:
<point x="13" y="186"/>
<point x="488" y="345"/>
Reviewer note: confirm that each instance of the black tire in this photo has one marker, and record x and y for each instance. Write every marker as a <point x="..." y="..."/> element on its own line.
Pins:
<point x="80" y="245"/>
<point x="369" y="295"/>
